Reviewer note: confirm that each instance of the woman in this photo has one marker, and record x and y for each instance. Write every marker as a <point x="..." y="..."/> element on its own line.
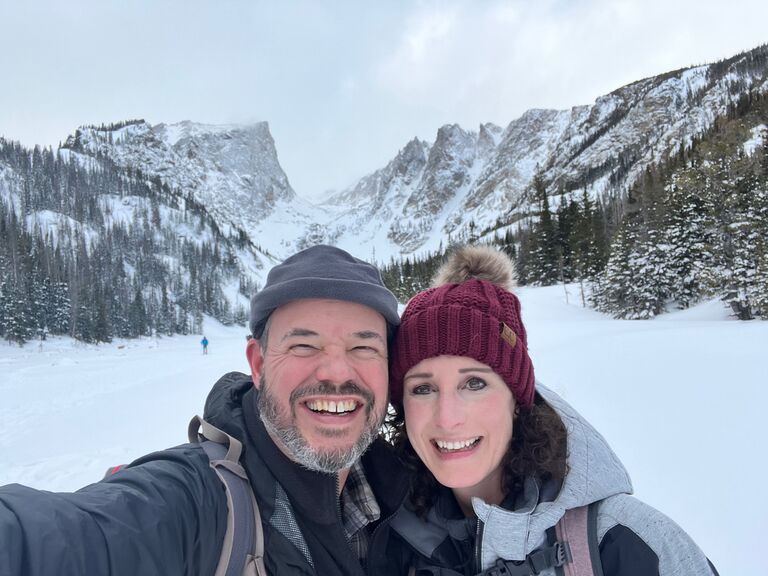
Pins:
<point x="499" y="459"/>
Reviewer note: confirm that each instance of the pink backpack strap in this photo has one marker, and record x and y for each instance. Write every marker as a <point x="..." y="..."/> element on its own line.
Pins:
<point x="578" y="528"/>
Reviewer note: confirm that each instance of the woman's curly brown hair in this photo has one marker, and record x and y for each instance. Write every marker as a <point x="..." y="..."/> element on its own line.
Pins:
<point x="538" y="449"/>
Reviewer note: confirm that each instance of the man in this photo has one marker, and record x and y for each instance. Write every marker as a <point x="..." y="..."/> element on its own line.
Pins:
<point x="308" y="420"/>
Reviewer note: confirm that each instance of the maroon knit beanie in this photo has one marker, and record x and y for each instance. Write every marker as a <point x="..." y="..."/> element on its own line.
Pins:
<point x="475" y="318"/>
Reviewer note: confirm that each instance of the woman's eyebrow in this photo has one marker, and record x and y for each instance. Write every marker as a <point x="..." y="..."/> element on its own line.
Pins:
<point x="418" y="375"/>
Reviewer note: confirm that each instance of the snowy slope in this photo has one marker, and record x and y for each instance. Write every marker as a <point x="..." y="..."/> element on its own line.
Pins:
<point x="680" y="399"/>
<point x="464" y="183"/>
<point x="484" y="178"/>
<point x="231" y="170"/>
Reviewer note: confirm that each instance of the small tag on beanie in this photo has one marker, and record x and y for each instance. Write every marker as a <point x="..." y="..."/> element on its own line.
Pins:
<point x="508" y="335"/>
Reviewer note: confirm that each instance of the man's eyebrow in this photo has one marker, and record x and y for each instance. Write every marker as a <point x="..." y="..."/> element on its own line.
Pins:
<point x="299" y="332"/>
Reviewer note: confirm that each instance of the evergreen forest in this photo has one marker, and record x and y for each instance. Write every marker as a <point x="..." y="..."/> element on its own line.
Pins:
<point x="694" y="226"/>
<point x="120" y="255"/>
<point x="95" y="252"/>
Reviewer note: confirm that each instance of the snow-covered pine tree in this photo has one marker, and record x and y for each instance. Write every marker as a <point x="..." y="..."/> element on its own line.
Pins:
<point x="543" y="267"/>
<point x="611" y="289"/>
<point x="743" y="232"/>
<point x="689" y="232"/>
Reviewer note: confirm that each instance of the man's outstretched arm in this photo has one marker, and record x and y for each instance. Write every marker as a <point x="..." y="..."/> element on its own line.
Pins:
<point x="165" y="514"/>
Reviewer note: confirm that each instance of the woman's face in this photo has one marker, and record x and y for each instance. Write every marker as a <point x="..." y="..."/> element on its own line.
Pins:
<point x="459" y="413"/>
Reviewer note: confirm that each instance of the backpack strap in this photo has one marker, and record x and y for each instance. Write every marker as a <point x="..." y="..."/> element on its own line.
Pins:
<point x="242" y="553"/>
<point x="536" y="562"/>
<point x="578" y="529"/>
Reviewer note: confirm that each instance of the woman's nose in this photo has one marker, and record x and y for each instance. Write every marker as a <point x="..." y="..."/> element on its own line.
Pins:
<point x="449" y="411"/>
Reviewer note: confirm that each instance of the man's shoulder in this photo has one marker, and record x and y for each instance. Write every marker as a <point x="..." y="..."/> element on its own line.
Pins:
<point x="224" y="405"/>
<point x="176" y="466"/>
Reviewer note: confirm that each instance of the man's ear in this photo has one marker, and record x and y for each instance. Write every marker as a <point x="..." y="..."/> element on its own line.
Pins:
<point x="255" y="359"/>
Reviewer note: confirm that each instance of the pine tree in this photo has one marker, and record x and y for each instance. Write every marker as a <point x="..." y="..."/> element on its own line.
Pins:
<point x="757" y="289"/>
<point x="137" y="315"/>
<point x="743" y="232"/>
<point x="692" y="242"/>
<point x="611" y="290"/>
<point x="59" y="308"/>
<point x="544" y="258"/>
<point x="102" y="330"/>
<point x="83" y="322"/>
<point x="649" y="290"/>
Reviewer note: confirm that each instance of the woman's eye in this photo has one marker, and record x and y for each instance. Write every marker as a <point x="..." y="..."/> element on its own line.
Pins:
<point x="475" y="384"/>
<point x="421" y="389"/>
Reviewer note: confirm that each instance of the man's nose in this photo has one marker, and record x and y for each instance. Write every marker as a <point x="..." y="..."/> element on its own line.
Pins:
<point x="334" y="366"/>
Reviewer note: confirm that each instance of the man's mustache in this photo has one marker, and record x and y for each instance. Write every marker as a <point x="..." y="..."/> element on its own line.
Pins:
<point x="326" y="388"/>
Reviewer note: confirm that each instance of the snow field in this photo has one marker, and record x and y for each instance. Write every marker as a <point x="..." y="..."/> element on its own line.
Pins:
<point x="679" y="399"/>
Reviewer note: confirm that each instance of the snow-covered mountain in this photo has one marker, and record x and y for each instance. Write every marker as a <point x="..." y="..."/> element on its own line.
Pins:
<point x="231" y="170"/>
<point x="478" y="182"/>
<point x="464" y="183"/>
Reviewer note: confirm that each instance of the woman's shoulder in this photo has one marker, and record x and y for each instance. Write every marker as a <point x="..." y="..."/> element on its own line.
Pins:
<point x="630" y="529"/>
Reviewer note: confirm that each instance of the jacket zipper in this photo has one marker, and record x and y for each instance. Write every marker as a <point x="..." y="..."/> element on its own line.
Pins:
<point x="478" y="545"/>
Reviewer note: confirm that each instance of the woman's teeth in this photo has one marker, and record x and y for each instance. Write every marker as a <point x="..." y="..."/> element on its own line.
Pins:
<point x="453" y="445"/>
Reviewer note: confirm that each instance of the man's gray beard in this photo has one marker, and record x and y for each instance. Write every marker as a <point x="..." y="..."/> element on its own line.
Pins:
<point x="282" y="426"/>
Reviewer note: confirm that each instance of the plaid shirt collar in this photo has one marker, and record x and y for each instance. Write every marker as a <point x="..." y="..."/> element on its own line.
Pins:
<point x="358" y="504"/>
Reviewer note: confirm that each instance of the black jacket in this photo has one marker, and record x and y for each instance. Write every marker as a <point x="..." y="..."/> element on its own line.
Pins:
<point x="166" y="513"/>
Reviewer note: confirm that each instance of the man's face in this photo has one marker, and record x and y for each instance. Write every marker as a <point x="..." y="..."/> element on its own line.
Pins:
<point x="322" y="380"/>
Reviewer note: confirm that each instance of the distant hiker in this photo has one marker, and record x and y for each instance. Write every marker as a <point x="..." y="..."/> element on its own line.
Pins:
<point x="509" y="478"/>
<point x="308" y="418"/>
<point x="204" y="343"/>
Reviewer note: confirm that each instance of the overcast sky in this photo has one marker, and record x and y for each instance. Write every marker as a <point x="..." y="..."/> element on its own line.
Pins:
<point x="344" y="85"/>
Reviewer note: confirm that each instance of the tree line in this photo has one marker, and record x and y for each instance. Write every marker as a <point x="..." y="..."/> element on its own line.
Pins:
<point x="693" y="226"/>
<point x="95" y="252"/>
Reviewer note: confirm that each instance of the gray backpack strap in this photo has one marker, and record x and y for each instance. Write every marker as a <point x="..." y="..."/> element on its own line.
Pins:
<point x="578" y="529"/>
<point x="242" y="553"/>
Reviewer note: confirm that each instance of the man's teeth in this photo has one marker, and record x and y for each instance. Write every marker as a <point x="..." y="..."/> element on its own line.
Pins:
<point x="447" y="446"/>
<point x="332" y="406"/>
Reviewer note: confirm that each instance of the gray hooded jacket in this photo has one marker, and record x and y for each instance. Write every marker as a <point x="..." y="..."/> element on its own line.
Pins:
<point x="634" y="537"/>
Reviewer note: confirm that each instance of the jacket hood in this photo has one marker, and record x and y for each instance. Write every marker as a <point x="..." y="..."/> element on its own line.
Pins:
<point x="224" y="405"/>
<point x="594" y="473"/>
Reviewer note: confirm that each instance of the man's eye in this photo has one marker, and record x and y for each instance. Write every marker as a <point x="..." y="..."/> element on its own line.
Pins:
<point x="475" y="384"/>
<point x="365" y="350"/>
<point x="302" y="349"/>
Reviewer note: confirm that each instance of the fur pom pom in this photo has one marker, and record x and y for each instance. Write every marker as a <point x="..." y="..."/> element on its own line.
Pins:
<point x="480" y="262"/>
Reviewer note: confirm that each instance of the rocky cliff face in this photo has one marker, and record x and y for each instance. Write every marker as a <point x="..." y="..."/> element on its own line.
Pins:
<point x="231" y="170"/>
<point x="480" y="181"/>
<point x="463" y="183"/>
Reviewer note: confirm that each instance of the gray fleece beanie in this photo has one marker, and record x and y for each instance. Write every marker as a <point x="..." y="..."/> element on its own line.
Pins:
<point x="323" y="272"/>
